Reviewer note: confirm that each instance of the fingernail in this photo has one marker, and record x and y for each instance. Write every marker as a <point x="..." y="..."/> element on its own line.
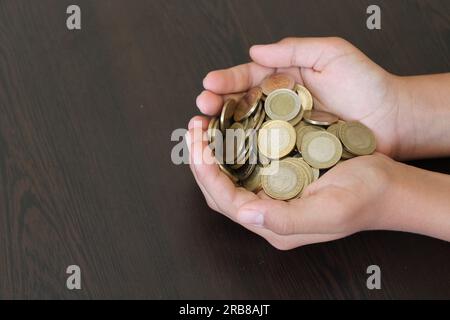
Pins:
<point x="251" y="217"/>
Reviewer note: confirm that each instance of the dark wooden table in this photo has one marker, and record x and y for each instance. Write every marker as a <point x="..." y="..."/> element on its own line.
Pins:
<point x="85" y="170"/>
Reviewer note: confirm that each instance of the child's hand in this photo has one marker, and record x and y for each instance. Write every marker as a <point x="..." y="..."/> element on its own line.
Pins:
<point x="342" y="79"/>
<point x="364" y="193"/>
<point x="347" y="199"/>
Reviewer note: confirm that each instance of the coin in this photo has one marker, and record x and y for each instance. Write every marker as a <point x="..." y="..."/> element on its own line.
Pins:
<point x="321" y="150"/>
<point x="263" y="160"/>
<point x="334" y="128"/>
<point x="253" y="182"/>
<point x="245" y="123"/>
<point x="297" y="120"/>
<point x="285" y="181"/>
<point x="304" y="130"/>
<point x="277" y="81"/>
<point x="262" y="119"/>
<point x="357" y="138"/>
<point x="320" y="118"/>
<point x="254" y="119"/>
<point x="248" y="104"/>
<point x="305" y="97"/>
<point x="245" y="171"/>
<point x="346" y="155"/>
<point x="301" y="124"/>
<point x="276" y="139"/>
<point x="305" y="170"/>
<point x="214" y="133"/>
<point x="262" y="129"/>
<point x="234" y="144"/>
<point x="227" y="114"/>
<point x="316" y="174"/>
<point x="282" y="104"/>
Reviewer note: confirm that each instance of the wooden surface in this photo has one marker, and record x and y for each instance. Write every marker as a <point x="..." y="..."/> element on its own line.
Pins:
<point x="85" y="170"/>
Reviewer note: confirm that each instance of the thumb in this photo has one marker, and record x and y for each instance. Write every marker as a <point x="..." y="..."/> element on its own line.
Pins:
<point x="312" y="53"/>
<point x="283" y="218"/>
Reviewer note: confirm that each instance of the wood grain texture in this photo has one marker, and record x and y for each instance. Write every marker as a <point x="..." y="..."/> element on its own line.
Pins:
<point x="85" y="170"/>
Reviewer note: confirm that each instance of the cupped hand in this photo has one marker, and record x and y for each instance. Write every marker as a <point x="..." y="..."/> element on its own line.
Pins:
<point x="343" y="80"/>
<point x="340" y="203"/>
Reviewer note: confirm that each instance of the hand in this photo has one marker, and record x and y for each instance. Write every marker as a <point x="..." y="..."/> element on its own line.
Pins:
<point x="343" y="80"/>
<point x="340" y="203"/>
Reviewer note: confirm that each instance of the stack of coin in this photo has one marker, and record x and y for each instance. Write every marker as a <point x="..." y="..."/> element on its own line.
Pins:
<point x="274" y="140"/>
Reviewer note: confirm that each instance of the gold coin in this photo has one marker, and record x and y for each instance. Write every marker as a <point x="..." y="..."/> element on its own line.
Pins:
<point x="245" y="154"/>
<point x="215" y="132"/>
<point x="245" y="171"/>
<point x="282" y="104"/>
<point x="321" y="150"/>
<point x="297" y="120"/>
<point x="316" y="174"/>
<point x="253" y="182"/>
<point x="320" y="118"/>
<point x="302" y="131"/>
<point x="248" y="104"/>
<point x="346" y="155"/>
<point x="254" y="119"/>
<point x="277" y="81"/>
<point x="262" y="119"/>
<point x="305" y="97"/>
<point x="284" y="182"/>
<point x="301" y="124"/>
<point x="276" y="139"/>
<point x="227" y="114"/>
<point x="245" y="123"/>
<point x="234" y="144"/>
<point x="357" y="138"/>
<point x="263" y="160"/>
<point x="334" y="128"/>
<point x="307" y="169"/>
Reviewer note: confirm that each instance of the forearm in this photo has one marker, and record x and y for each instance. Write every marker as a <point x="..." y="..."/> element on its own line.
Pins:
<point x="418" y="201"/>
<point x="423" y="116"/>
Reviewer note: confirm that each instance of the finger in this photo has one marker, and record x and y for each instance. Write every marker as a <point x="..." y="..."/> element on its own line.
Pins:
<point x="294" y="72"/>
<point x="322" y="213"/>
<point x="236" y="79"/>
<point x="312" y="53"/>
<point x="202" y="123"/>
<point x="199" y="122"/>
<point x="218" y="186"/>
<point x="295" y="241"/>
<point x="211" y="104"/>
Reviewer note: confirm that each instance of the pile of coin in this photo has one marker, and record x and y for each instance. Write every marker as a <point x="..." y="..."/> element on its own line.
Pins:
<point x="273" y="139"/>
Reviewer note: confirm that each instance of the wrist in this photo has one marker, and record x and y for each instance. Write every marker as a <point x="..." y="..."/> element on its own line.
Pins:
<point x="384" y="208"/>
<point x="404" y="139"/>
<point x="416" y="201"/>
